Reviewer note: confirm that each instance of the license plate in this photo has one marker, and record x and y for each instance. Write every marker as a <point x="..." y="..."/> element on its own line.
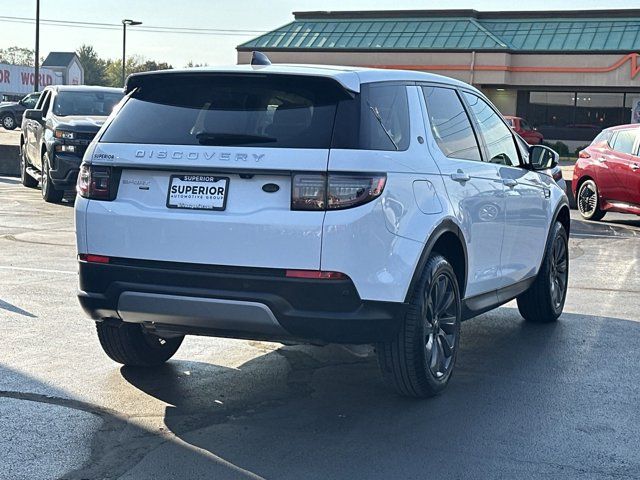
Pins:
<point x="198" y="192"/>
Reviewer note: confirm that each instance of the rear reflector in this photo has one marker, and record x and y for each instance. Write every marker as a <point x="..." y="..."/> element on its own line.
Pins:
<point x="584" y="154"/>
<point x="315" y="274"/>
<point x="87" y="257"/>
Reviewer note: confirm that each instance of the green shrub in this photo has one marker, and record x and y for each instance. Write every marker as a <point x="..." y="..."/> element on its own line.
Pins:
<point x="561" y="148"/>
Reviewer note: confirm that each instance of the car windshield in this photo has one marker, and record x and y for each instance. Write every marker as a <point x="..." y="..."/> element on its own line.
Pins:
<point x="86" y="103"/>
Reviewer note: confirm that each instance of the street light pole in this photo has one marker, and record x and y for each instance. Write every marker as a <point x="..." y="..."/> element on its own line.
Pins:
<point x="36" y="80"/>
<point x="125" y="22"/>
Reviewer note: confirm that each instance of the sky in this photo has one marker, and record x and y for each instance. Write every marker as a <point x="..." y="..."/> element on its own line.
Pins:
<point x="180" y="48"/>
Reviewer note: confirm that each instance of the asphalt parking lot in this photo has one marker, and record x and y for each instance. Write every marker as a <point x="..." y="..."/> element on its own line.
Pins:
<point x="526" y="401"/>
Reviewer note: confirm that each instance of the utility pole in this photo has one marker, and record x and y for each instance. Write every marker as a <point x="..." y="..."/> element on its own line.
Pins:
<point x="36" y="81"/>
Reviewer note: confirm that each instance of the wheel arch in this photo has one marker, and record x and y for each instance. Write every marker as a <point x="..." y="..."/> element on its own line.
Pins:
<point x="448" y="240"/>
<point x="583" y="179"/>
<point x="562" y="215"/>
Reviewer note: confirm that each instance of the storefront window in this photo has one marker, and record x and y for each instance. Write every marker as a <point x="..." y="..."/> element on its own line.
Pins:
<point x="599" y="110"/>
<point x="576" y="116"/>
<point x="632" y="108"/>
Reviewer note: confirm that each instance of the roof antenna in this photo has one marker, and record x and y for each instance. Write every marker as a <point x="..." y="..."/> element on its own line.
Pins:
<point x="259" y="58"/>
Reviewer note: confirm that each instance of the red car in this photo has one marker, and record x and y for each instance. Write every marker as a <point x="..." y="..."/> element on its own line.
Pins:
<point x="526" y="131"/>
<point x="607" y="174"/>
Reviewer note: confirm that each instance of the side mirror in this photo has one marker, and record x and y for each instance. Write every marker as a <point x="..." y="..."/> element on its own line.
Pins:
<point x="33" y="114"/>
<point x="542" y="157"/>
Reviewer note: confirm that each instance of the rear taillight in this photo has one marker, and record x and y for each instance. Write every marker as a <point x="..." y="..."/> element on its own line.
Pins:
<point x="584" y="154"/>
<point x="334" y="191"/>
<point x="95" y="182"/>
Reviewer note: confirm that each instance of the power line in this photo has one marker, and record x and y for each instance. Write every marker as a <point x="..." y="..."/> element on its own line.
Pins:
<point x="146" y="28"/>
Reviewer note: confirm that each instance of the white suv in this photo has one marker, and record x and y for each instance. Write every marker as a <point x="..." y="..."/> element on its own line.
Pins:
<point x="314" y="204"/>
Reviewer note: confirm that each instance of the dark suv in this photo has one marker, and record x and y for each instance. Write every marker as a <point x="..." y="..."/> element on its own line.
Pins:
<point x="56" y="133"/>
<point x="11" y="112"/>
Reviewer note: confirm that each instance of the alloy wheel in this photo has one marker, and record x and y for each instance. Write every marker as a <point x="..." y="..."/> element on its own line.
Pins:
<point x="587" y="199"/>
<point x="8" y="122"/>
<point x="441" y="326"/>
<point x="558" y="272"/>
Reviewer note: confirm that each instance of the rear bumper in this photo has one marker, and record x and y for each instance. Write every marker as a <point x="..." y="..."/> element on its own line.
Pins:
<point x="235" y="302"/>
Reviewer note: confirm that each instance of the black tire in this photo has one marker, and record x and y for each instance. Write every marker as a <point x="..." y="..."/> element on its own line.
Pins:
<point x="26" y="179"/>
<point x="544" y="301"/>
<point x="9" y="121"/>
<point x="588" y="201"/>
<point x="407" y="361"/>
<point x="129" y="344"/>
<point x="50" y="194"/>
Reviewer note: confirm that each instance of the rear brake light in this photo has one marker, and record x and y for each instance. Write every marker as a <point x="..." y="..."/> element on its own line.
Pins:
<point x="315" y="274"/>
<point x="88" y="257"/>
<point x="334" y="191"/>
<point x="95" y="182"/>
<point x="584" y="154"/>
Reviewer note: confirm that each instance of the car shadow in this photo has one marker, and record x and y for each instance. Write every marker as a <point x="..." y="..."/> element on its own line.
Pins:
<point x="526" y="400"/>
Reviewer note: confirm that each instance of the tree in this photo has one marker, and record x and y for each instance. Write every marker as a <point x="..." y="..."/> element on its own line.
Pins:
<point x="94" y="66"/>
<point x="17" y="56"/>
<point x="135" y="64"/>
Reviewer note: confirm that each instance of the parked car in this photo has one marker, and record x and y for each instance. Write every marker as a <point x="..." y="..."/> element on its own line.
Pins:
<point x="314" y="204"/>
<point x="55" y="135"/>
<point x="526" y="131"/>
<point x="606" y="177"/>
<point x="11" y="112"/>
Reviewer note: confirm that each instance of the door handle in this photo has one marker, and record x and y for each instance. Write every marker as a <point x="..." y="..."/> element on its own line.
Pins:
<point x="602" y="159"/>
<point x="510" y="182"/>
<point x="460" y="176"/>
<point x="635" y="166"/>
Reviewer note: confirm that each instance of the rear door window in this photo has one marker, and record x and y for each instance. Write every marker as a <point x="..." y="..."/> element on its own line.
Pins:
<point x="282" y="111"/>
<point x="450" y="124"/>
<point x="624" y="141"/>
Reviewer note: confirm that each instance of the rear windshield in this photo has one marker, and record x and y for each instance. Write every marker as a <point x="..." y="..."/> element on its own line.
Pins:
<point x="245" y="110"/>
<point x="283" y="111"/>
<point x="86" y="103"/>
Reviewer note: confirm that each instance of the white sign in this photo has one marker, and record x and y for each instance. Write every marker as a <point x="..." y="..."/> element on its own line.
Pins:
<point x="15" y="79"/>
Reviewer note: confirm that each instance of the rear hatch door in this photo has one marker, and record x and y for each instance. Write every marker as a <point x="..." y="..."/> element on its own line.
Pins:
<point x="205" y="164"/>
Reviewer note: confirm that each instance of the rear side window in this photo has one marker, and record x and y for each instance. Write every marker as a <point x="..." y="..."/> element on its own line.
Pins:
<point x="604" y="136"/>
<point x="375" y="119"/>
<point x="450" y="125"/>
<point x="624" y="141"/>
<point x="228" y="109"/>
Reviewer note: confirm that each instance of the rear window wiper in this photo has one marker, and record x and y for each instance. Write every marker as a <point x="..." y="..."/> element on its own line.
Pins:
<point x="379" y="118"/>
<point x="212" y="138"/>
